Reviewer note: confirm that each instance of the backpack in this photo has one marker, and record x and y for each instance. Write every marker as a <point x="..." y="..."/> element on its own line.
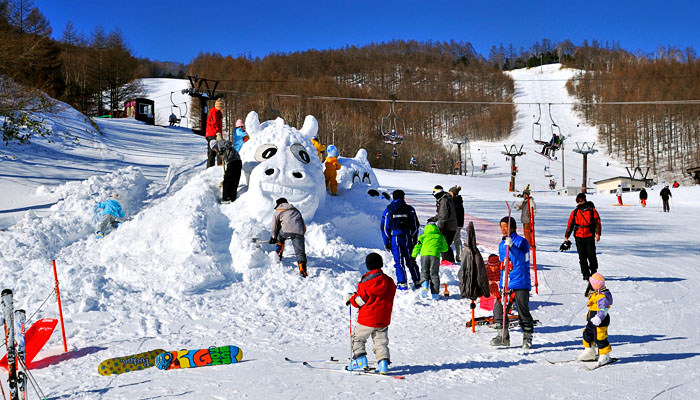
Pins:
<point x="591" y="221"/>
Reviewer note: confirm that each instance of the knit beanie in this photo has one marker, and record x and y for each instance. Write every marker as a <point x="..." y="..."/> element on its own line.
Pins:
<point x="219" y="104"/>
<point x="438" y="191"/>
<point x="512" y="222"/>
<point x="455" y="190"/>
<point x="373" y="261"/>
<point x="398" y="194"/>
<point x="580" y="196"/>
<point x="597" y="281"/>
<point x="280" y="201"/>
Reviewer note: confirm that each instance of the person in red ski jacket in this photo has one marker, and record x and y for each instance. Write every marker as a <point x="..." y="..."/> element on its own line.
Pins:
<point x="375" y="299"/>
<point x="214" y="126"/>
<point x="584" y="223"/>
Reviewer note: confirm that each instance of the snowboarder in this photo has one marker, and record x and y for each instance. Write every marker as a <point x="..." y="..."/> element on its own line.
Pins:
<point x="665" y="195"/>
<point x="331" y="171"/>
<point x="430" y="244"/>
<point x="232" y="170"/>
<point x="643" y="197"/>
<point x="618" y="193"/>
<point x="525" y="213"/>
<point x="111" y="210"/>
<point x="518" y="284"/>
<point x="584" y="223"/>
<point x="399" y="226"/>
<point x="320" y="148"/>
<point x="288" y="223"/>
<point x="375" y="299"/>
<point x="459" y="212"/>
<point x="445" y="219"/>
<point x="214" y="126"/>
<point x="599" y="302"/>
<point x="473" y="279"/>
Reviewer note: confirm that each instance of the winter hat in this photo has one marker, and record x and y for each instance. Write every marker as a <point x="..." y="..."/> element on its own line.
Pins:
<point x="455" y="190"/>
<point x="580" y="196"/>
<point x="398" y="194"/>
<point x="374" y="261"/>
<point x="438" y="191"/>
<point x="219" y="104"/>
<point x="332" y="151"/>
<point x="115" y="196"/>
<point x="239" y="123"/>
<point x="597" y="281"/>
<point x="280" y="201"/>
<point x="512" y="222"/>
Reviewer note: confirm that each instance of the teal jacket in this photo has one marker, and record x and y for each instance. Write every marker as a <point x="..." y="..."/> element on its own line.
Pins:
<point x="430" y="243"/>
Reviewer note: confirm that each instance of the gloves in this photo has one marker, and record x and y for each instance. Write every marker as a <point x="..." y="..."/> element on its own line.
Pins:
<point x="272" y="241"/>
<point x="431" y="219"/>
<point x="595" y="320"/>
<point x="348" y="297"/>
<point x="508" y="241"/>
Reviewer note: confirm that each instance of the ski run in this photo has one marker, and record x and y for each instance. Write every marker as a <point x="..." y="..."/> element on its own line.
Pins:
<point x="182" y="272"/>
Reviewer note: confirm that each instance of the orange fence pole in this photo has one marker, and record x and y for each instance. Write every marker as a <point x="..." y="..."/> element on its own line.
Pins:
<point x="60" y="309"/>
<point x="532" y="244"/>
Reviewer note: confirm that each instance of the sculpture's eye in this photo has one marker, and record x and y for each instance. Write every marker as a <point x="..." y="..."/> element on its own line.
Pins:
<point x="300" y="153"/>
<point x="265" y="151"/>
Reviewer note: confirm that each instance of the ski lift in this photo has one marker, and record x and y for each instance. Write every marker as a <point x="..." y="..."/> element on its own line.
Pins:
<point x="554" y="143"/>
<point x="537" y="128"/>
<point x="547" y="171"/>
<point x="393" y="127"/>
<point x="556" y="131"/>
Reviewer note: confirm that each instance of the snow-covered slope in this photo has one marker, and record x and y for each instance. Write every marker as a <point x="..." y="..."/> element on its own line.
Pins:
<point x="183" y="273"/>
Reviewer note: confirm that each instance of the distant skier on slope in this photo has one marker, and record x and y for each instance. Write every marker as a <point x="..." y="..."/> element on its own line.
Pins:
<point x="584" y="223"/>
<point x="665" y="196"/>
<point x="430" y="244"/>
<point x="111" y="211"/>
<point x="288" y="223"/>
<point x="598" y="320"/>
<point x="618" y="193"/>
<point x="643" y="197"/>
<point x="331" y="170"/>
<point x="375" y="299"/>
<point x="399" y="227"/>
<point x="518" y="284"/>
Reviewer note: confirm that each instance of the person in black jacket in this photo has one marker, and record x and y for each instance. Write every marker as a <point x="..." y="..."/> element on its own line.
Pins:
<point x="643" y="197"/>
<point x="232" y="172"/>
<point x="665" y="195"/>
<point x="459" y="212"/>
<point x="446" y="220"/>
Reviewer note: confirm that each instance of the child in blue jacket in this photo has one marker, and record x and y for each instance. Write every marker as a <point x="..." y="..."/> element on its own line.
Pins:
<point x="111" y="210"/>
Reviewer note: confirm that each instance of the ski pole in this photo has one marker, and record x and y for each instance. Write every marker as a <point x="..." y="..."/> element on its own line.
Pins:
<point x="350" y="310"/>
<point x="531" y="216"/>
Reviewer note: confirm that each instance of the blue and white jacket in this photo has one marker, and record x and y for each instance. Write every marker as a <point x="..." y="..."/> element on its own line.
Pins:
<point x="519" y="255"/>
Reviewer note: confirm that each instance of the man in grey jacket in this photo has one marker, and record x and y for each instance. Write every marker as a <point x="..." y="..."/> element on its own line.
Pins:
<point x="445" y="219"/>
<point x="527" y="203"/>
<point x="288" y="223"/>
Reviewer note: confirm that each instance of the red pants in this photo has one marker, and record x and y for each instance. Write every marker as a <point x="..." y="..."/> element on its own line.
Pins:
<point x="619" y="199"/>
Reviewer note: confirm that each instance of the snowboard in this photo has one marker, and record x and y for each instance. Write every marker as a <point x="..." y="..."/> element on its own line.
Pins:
<point x="35" y="338"/>
<point x="512" y="321"/>
<point x="133" y="362"/>
<point x="199" y="358"/>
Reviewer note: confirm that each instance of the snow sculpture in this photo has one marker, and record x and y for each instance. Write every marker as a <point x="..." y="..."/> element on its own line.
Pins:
<point x="357" y="172"/>
<point x="280" y="161"/>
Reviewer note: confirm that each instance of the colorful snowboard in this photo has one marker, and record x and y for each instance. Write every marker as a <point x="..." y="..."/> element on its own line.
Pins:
<point x="199" y="358"/>
<point x="134" y="362"/>
<point x="512" y="321"/>
<point x="35" y="338"/>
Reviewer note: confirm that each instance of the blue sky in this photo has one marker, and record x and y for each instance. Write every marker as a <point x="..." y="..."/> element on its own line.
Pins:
<point x="178" y="30"/>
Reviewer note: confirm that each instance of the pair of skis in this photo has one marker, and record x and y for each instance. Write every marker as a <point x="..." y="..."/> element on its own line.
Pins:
<point x="333" y="361"/>
<point x="15" y="356"/>
<point x="587" y="367"/>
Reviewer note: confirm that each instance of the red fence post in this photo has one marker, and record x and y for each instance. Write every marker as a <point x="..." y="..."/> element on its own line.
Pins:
<point x="60" y="309"/>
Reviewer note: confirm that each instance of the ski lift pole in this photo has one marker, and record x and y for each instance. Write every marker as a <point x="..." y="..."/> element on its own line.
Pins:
<point x="531" y="216"/>
<point x="60" y="309"/>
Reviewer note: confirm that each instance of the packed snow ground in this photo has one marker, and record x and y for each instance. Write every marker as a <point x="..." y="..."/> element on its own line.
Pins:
<point x="179" y="275"/>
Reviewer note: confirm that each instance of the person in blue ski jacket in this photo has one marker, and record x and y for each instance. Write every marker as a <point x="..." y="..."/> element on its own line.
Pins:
<point x="399" y="228"/>
<point x="518" y="283"/>
<point x="239" y="136"/>
<point x="111" y="210"/>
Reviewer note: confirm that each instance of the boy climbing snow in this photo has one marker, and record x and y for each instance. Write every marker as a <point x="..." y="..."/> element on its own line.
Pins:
<point x="596" y="330"/>
<point x="288" y="223"/>
<point x="375" y="299"/>
<point x="430" y="244"/>
<point x="111" y="211"/>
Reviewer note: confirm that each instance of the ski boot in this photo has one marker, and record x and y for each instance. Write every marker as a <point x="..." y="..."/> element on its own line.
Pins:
<point x="527" y="340"/>
<point x="588" y="354"/>
<point x="604" y="359"/>
<point x="499" y="339"/>
<point x="302" y="269"/>
<point x="401" y="286"/>
<point x="425" y="289"/>
<point x="359" y="363"/>
<point x="435" y="296"/>
<point x="383" y="366"/>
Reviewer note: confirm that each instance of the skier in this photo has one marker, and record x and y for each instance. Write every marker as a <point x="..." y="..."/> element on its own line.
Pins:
<point x="473" y="279"/>
<point x="430" y="244"/>
<point x="643" y="197"/>
<point x="459" y="212"/>
<point x="399" y="226"/>
<point x="518" y="284"/>
<point x="413" y="162"/>
<point x="525" y="213"/>
<point x="584" y="223"/>
<point x="618" y="193"/>
<point x="232" y="174"/>
<point x="320" y="148"/>
<point x="375" y="299"/>
<point x="446" y="220"/>
<point x="598" y="319"/>
<point x="288" y="223"/>
<point x="665" y="195"/>
<point x="214" y="124"/>
<point x="331" y="171"/>
<point x="111" y="211"/>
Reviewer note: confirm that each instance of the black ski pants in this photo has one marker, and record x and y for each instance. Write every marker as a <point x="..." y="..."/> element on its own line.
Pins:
<point x="666" y="206"/>
<point x="211" y="154"/>
<point x="231" y="178"/>
<point x="449" y="255"/>
<point x="586" y="256"/>
<point x="522" y="300"/>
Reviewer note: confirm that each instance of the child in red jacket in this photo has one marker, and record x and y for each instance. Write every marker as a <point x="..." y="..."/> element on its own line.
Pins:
<point x="375" y="299"/>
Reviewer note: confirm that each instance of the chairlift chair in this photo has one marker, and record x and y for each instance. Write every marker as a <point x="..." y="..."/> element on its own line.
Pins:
<point x="393" y="127"/>
<point x="537" y="128"/>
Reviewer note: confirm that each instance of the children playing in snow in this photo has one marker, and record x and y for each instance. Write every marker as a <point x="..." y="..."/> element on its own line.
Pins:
<point x="430" y="244"/>
<point x="332" y="166"/>
<point x="111" y="210"/>
<point x="288" y="223"/>
<point x="375" y="299"/>
<point x="596" y="330"/>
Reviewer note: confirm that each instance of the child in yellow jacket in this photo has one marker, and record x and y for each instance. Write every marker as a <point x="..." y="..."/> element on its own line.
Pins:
<point x="331" y="171"/>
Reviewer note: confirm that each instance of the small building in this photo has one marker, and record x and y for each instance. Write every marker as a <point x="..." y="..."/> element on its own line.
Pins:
<point x="609" y="186"/>
<point x="141" y="109"/>
<point x="569" y="191"/>
<point x="695" y="173"/>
